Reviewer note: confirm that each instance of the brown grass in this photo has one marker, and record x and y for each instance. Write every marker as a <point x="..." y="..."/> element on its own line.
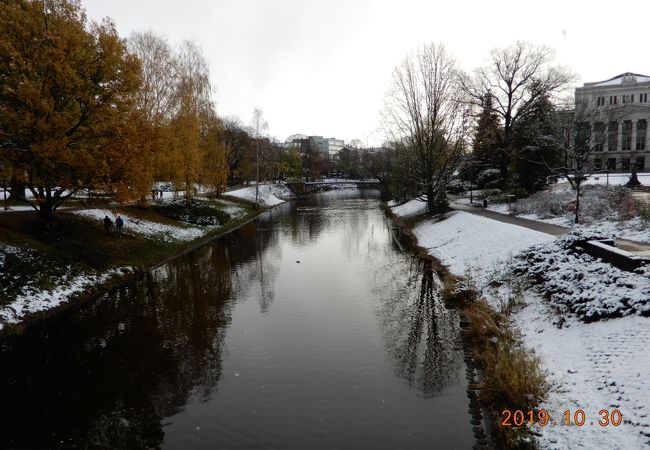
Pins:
<point x="512" y="378"/>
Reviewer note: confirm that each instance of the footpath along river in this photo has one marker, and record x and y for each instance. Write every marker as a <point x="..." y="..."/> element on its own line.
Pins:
<point x="307" y="328"/>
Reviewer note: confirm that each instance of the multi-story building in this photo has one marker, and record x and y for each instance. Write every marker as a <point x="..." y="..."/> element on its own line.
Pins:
<point x="615" y="115"/>
<point x="331" y="147"/>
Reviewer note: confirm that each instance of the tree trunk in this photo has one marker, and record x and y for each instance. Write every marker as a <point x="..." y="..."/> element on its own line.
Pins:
<point x="46" y="210"/>
<point x="257" y="174"/>
<point x="431" y="199"/>
<point x="18" y="189"/>
<point x="577" y="203"/>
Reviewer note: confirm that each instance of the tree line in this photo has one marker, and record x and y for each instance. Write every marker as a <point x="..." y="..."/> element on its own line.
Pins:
<point x="509" y="125"/>
<point x="82" y="108"/>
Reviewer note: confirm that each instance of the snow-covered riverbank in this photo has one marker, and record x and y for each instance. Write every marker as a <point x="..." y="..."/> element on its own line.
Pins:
<point x="41" y="270"/>
<point x="595" y="366"/>
<point x="268" y="195"/>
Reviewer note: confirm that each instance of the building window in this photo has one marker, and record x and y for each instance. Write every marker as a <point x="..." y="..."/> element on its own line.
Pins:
<point x="612" y="137"/>
<point x="643" y="98"/>
<point x="612" y="99"/>
<point x="640" y="163"/>
<point x="601" y="101"/>
<point x="627" y="135"/>
<point x="582" y="135"/>
<point x="625" y="164"/>
<point x="641" y="130"/>
<point x="611" y="164"/>
<point x="598" y="164"/>
<point x="627" y="98"/>
<point x="599" y="136"/>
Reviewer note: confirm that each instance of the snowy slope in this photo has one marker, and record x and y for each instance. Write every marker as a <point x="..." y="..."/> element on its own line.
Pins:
<point x="595" y="366"/>
<point x="466" y="242"/>
<point x="151" y="229"/>
<point x="410" y="208"/>
<point x="591" y="366"/>
<point x="269" y="194"/>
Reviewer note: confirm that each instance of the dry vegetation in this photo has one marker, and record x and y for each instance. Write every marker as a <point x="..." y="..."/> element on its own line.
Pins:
<point x="512" y="376"/>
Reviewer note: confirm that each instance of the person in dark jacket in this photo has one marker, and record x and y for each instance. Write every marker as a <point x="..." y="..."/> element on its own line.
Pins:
<point x="108" y="224"/>
<point x="119" y="225"/>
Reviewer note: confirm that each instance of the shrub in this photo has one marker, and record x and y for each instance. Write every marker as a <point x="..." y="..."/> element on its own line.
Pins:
<point x="489" y="176"/>
<point x="194" y="212"/>
<point x="512" y="378"/>
<point x="596" y="203"/>
<point x="644" y="214"/>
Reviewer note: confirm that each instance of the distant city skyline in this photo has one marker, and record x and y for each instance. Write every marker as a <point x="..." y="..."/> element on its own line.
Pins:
<point x="321" y="67"/>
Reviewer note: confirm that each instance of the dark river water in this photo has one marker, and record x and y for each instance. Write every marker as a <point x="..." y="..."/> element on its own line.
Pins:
<point x="308" y="328"/>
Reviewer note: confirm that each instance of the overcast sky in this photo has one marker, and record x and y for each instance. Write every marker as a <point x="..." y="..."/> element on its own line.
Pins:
<point x="322" y="66"/>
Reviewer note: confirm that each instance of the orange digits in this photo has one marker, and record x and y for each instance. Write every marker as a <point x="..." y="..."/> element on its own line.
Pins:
<point x="518" y="418"/>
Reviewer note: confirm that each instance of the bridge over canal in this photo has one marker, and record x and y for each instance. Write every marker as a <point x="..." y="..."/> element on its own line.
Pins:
<point x="307" y="187"/>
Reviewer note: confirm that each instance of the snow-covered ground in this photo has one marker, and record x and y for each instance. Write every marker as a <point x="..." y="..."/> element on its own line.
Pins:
<point x="16" y="208"/>
<point x="563" y="221"/>
<point x="578" y="284"/>
<point x="233" y="209"/>
<point x="469" y="243"/>
<point x="502" y="208"/>
<point x="599" y="211"/>
<point x="410" y="208"/>
<point x="35" y="300"/>
<point x="591" y="366"/>
<point x="595" y="366"/>
<point x="269" y="194"/>
<point x="613" y="179"/>
<point x="147" y="228"/>
<point x="31" y="299"/>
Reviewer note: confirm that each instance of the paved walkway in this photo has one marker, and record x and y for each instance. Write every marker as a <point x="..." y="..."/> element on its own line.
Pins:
<point x="638" y="248"/>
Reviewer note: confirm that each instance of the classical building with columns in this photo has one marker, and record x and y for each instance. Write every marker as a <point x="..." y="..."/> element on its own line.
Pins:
<point x="616" y="114"/>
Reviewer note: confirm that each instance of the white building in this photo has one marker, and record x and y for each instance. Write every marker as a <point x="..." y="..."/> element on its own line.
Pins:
<point x="616" y="122"/>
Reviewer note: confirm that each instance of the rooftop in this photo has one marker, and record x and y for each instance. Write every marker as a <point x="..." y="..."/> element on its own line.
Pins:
<point x="627" y="78"/>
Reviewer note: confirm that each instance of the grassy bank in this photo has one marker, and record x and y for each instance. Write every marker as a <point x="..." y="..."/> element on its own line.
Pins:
<point x="510" y="374"/>
<point x="46" y="266"/>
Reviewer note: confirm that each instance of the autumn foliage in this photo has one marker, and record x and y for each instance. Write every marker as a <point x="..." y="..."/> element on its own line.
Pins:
<point x="80" y="109"/>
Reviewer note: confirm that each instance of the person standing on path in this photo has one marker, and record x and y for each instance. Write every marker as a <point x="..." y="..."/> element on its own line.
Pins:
<point x="119" y="225"/>
<point x="108" y="224"/>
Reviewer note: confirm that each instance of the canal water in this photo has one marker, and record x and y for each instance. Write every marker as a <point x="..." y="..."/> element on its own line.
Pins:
<point x="308" y="328"/>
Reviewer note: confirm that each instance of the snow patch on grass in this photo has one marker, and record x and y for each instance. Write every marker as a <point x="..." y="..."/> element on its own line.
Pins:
<point x="231" y="208"/>
<point x="269" y="194"/>
<point x="31" y="297"/>
<point x="411" y="208"/>
<point x="167" y="233"/>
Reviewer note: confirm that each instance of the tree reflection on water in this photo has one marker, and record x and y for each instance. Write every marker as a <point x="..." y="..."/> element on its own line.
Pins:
<point x="103" y="377"/>
<point x="113" y="374"/>
<point x="422" y="334"/>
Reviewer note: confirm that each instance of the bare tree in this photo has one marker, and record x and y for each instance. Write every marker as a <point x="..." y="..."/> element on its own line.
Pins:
<point x="516" y="77"/>
<point x="581" y="134"/>
<point x="427" y="114"/>
<point x="259" y="125"/>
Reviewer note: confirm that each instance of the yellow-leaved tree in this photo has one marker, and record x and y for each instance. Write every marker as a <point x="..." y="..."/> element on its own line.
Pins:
<point x="67" y="92"/>
<point x="185" y="136"/>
